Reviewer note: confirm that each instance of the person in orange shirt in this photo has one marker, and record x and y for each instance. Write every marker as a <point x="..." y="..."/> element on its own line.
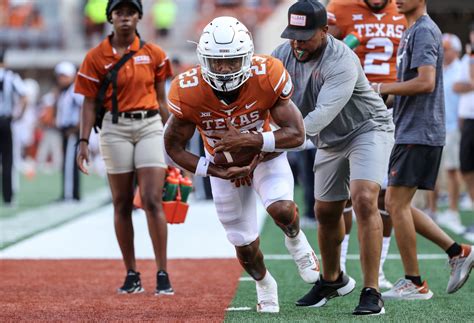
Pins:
<point x="231" y="99"/>
<point x="131" y="135"/>
<point x="373" y="29"/>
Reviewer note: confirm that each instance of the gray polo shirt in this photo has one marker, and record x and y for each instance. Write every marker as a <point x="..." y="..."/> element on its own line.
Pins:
<point x="334" y="95"/>
<point x="420" y="119"/>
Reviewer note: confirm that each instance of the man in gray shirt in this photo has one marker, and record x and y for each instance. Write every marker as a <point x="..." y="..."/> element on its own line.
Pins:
<point x="353" y="132"/>
<point x="419" y="118"/>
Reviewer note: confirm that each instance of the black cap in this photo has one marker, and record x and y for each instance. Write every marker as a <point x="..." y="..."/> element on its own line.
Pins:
<point x="304" y="17"/>
<point x="112" y="4"/>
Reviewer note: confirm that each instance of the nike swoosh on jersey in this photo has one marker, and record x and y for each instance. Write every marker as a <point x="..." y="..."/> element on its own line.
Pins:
<point x="108" y="66"/>
<point x="248" y="106"/>
<point x="396" y="18"/>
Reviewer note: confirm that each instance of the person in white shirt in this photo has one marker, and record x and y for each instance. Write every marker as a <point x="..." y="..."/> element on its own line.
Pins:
<point x="450" y="161"/>
<point x="465" y="87"/>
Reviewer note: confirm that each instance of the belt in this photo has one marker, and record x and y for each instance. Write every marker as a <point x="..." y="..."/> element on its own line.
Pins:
<point x="138" y="115"/>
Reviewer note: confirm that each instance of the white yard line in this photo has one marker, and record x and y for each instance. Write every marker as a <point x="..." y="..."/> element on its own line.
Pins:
<point x="237" y="309"/>
<point x="357" y="257"/>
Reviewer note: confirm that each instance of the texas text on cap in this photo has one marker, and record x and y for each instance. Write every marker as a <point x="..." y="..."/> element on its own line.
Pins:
<point x="304" y="17"/>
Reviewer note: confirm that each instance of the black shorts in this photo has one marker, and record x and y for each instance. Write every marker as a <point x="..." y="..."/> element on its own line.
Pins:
<point x="467" y="146"/>
<point x="414" y="166"/>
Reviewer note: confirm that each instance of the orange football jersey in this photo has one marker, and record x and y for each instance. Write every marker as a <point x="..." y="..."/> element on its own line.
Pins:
<point x="192" y="99"/>
<point x="379" y="34"/>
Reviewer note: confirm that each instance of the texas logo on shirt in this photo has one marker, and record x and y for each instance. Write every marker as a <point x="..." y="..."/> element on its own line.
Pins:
<point x="192" y="99"/>
<point x="379" y="34"/>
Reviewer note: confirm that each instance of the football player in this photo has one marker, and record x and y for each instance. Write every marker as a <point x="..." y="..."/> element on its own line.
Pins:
<point x="232" y="98"/>
<point x="373" y="28"/>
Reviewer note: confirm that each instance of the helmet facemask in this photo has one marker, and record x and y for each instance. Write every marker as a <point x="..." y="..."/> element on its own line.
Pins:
<point x="225" y="53"/>
<point x="225" y="74"/>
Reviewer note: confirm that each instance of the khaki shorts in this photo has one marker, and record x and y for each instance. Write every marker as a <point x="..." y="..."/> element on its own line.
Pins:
<point x="365" y="157"/>
<point x="450" y="159"/>
<point x="131" y="144"/>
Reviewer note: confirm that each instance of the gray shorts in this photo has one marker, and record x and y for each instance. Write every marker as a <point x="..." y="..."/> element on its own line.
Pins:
<point x="131" y="144"/>
<point x="366" y="157"/>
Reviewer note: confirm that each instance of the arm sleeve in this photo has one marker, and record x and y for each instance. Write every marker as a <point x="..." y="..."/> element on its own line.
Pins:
<point x="336" y="91"/>
<point x="425" y="49"/>
<point x="88" y="78"/>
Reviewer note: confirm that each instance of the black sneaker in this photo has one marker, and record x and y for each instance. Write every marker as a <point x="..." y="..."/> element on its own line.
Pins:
<point x="323" y="291"/>
<point x="132" y="284"/>
<point x="370" y="303"/>
<point x="163" y="285"/>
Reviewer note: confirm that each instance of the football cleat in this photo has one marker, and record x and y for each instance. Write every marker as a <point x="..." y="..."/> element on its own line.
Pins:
<point x="267" y="295"/>
<point x="304" y="257"/>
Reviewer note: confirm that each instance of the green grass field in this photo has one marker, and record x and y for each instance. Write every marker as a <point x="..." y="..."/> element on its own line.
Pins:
<point x="458" y="307"/>
<point x="44" y="189"/>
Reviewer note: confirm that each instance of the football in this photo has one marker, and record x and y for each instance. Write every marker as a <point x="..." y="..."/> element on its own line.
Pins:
<point x="241" y="158"/>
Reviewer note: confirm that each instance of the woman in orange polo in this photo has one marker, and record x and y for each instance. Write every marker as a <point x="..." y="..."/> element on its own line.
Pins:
<point x="132" y="144"/>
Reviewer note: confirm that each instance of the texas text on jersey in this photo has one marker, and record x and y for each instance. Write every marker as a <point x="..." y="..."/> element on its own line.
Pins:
<point x="191" y="98"/>
<point x="379" y="34"/>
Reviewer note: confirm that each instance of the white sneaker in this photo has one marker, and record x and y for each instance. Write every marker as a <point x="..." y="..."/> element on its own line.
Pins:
<point x="304" y="257"/>
<point x="384" y="283"/>
<point x="267" y="295"/>
<point x="461" y="266"/>
<point x="451" y="220"/>
<point x="469" y="235"/>
<point x="465" y="203"/>
<point x="405" y="289"/>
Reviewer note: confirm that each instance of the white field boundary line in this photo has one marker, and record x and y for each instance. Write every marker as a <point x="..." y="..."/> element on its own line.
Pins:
<point x="35" y="220"/>
<point x="236" y="309"/>
<point x="425" y="256"/>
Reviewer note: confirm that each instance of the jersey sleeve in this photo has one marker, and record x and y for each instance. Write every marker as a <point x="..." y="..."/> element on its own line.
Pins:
<point x="88" y="77"/>
<point x="338" y="12"/>
<point x="174" y="102"/>
<point x="163" y="68"/>
<point x="331" y="10"/>
<point x="279" y="78"/>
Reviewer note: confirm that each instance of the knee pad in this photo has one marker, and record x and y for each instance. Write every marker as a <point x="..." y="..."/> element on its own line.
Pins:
<point x="241" y="239"/>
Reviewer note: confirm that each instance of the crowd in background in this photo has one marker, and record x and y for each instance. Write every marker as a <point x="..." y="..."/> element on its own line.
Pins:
<point x="37" y="24"/>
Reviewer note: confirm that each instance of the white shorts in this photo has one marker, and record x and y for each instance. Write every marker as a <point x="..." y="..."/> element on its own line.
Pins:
<point x="451" y="151"/>
<point x="236" y="207"/>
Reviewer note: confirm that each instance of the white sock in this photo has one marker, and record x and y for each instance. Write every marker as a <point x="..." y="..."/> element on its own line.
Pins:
<point x="291" y="242"/>
<point x="383" y="256"/>
<point x="267" y="280"/>
<point x="344" y="247"/>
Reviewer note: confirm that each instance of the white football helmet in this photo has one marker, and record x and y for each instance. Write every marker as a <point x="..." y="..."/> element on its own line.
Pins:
<point x="225" y="51"/>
